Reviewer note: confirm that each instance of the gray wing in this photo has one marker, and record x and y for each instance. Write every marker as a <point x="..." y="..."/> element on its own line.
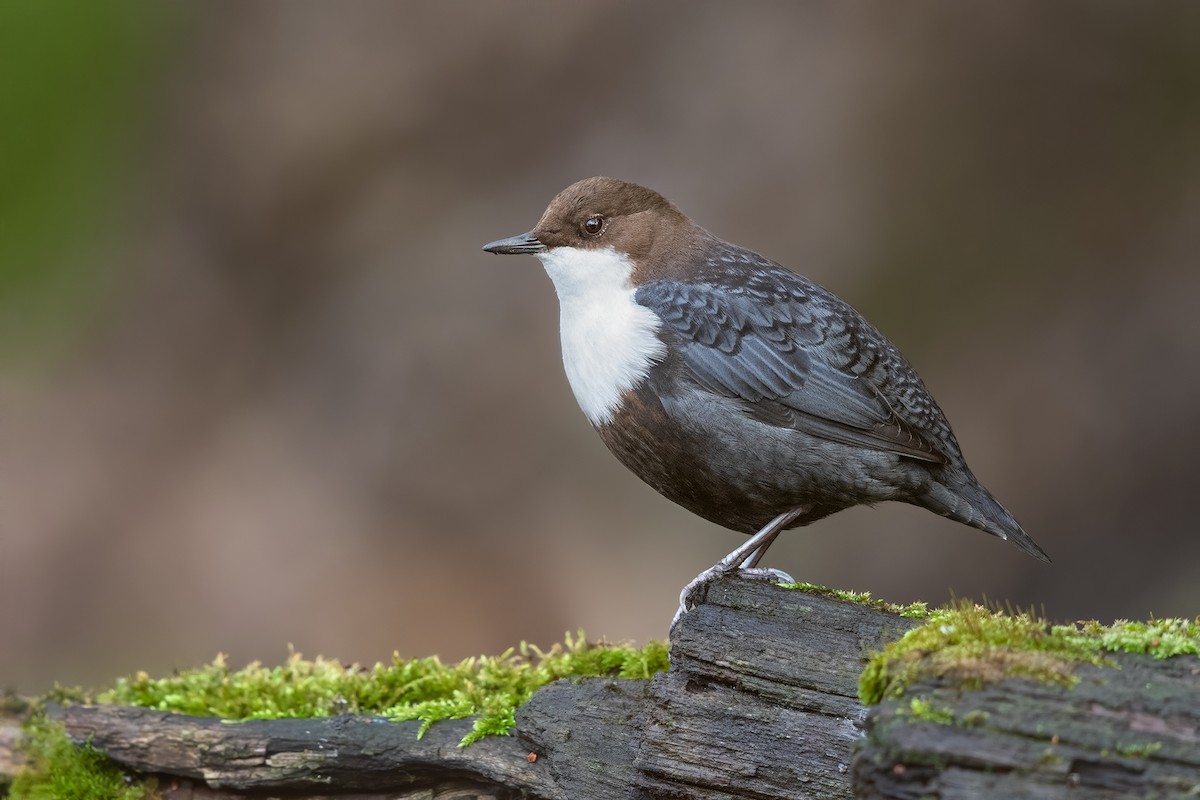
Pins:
<point x="798" y="357"/>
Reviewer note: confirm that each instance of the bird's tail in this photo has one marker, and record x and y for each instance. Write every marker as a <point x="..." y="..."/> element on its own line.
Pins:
<point x="967" y="502"/>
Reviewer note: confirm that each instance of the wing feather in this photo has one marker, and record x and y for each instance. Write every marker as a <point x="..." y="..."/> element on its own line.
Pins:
<point x="791" y="360"/>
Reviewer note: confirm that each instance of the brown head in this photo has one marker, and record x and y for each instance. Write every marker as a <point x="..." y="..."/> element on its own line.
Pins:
<point x="599" y="213"/>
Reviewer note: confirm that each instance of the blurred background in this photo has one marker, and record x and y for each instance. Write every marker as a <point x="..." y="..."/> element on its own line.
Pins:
<point x="259" y="385"/>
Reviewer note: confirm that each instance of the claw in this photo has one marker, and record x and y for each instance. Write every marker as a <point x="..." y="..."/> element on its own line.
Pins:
<point x="742" y="561"/>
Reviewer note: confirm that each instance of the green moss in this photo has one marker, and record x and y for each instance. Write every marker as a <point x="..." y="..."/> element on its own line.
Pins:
<point x="974" y="645"/>
<point x="1161" y="638"/>
<point x="914" y="610"/>
<point x="925" y="710"/>
<point x="973" y="719"/>
<point x="919" y="708"/>
<point x="487" y="687"/>
<point x="1139" y="749"/>
<point x="59" y="770"/>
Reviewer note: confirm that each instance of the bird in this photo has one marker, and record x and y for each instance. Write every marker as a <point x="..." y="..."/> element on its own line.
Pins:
<point x="735" y="387"/>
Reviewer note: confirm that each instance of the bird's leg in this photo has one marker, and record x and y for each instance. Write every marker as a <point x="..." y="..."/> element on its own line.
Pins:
<point x="745" y="558"/>
<point x="752" y="560"/>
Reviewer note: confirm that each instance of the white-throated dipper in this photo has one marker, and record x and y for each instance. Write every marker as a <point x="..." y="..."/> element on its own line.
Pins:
<point x="742" y="391"/>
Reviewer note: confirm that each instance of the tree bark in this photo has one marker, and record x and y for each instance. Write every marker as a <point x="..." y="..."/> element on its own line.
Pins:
<point x="760" y="701"/>
<point x="1129" y="730"/>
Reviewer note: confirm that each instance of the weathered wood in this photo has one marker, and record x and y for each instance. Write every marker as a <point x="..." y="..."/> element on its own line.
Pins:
<point x="1127" y="730"/>
<point x="302" y="755"/>
<point x="760" y="701"/>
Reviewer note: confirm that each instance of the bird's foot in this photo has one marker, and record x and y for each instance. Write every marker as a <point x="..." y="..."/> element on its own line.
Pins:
<point x="766" y="574"/>
<point x="697" y="589"/>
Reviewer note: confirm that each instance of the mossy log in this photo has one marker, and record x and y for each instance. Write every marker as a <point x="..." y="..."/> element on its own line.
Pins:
<point x="760" y="701"/>
<point x="1128" y="729"/>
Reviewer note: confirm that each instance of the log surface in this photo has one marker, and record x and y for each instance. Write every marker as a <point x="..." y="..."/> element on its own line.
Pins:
<point x="1127" y="730"/>
<point x="760" y="702"/>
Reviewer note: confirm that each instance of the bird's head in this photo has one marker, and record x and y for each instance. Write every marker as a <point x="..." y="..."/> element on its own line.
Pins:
<point x="603" y="215"/>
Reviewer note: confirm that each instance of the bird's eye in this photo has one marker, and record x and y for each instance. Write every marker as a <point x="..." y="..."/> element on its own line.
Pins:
<point x="593" y="225"/>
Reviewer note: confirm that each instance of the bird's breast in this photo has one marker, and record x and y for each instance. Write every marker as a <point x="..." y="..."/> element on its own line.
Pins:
<point x="609" y="341"/>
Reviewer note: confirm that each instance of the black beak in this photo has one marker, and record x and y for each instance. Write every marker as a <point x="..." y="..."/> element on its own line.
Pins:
<point x="515" y="245"/>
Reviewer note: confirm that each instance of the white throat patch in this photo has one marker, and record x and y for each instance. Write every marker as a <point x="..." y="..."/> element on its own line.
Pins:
<point x="609" y="342"/>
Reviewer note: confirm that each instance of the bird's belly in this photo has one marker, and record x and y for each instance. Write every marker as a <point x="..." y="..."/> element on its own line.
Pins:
<point x="703" y="452"/>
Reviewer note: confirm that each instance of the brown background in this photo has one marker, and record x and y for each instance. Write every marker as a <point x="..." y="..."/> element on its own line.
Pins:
<point x="261" y="387"/>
